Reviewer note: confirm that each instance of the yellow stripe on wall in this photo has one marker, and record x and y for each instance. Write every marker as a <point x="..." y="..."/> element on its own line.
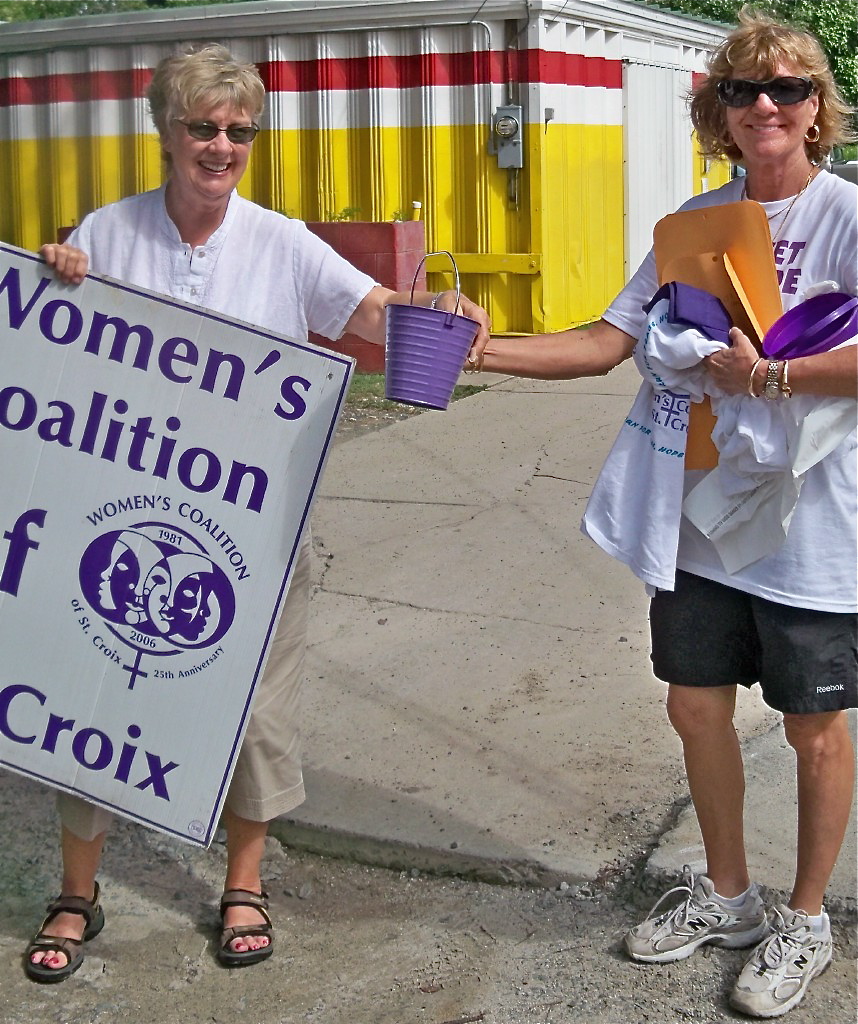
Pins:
<point x="55" y="182"/>
<point x="709" y="173"/>
<point x="580" y="221"/>
<point x="561" y="216"/>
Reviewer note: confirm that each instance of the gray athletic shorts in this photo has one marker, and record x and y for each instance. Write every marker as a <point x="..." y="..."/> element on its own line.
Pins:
<point x="707" y="634"/>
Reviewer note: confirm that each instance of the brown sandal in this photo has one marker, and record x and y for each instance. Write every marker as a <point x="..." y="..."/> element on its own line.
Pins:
<point x="72" y="949"/>
<point x="244" y="898"/>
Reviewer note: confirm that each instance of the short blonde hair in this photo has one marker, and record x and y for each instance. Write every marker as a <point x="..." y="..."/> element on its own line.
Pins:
<point x="206" y="75"/>
<point x="755" y="49"/>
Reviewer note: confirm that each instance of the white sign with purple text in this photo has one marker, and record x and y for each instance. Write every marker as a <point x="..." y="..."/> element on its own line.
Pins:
<point x="159" y="463"/>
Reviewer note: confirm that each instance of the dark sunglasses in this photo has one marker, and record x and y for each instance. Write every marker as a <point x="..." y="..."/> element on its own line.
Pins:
<point x="205" y="131"/>
<point x="740" y="92"/>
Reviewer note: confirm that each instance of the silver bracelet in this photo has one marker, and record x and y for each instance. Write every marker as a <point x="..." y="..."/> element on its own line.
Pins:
<point x="434" y="303"/>
<point x="751" y="391"/>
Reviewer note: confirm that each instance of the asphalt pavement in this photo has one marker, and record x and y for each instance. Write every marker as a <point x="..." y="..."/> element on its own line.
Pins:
<point x="479" y="696"/>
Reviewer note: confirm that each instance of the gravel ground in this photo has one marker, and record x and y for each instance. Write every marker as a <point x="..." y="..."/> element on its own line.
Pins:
<point x="355" y="944"/>
<point x="366" y="413"/>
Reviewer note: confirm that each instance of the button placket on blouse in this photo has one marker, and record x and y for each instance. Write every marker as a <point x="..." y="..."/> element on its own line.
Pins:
<point x="182" y="280"/>
<point x="199" y="271"/>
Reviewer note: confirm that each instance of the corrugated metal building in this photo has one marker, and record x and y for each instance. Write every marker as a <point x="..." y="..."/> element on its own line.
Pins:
<point x="543" y="138"/>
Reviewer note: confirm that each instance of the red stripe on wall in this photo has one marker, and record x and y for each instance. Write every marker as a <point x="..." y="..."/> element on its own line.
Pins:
<point x="341" y="74"/>
<point x="441" y="69"/>
<point x="79" y="87"/>
<point x="408" y="71"/>
<point x="565" y="69"/>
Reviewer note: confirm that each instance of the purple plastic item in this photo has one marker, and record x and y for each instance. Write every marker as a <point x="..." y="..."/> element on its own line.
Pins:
<point x="425" y="350"/>
<point x="815" y="325"/>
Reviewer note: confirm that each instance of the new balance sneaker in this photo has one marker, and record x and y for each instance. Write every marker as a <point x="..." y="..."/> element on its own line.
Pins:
<point x="700" y="919"/>
<point x="776" y="977"/>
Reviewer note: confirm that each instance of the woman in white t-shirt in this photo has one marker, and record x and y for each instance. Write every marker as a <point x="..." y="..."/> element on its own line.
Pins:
<point x="197" y="240"/>
<point x="787" y="620"/>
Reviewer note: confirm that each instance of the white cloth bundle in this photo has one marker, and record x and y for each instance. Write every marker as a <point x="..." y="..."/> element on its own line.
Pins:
<point x="745" y="504"/>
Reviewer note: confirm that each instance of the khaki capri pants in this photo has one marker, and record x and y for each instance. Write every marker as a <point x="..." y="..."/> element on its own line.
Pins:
<point x="267" y="780"/>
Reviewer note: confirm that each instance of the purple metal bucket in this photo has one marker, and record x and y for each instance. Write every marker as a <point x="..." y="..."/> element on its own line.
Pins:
<point x="815" y="325"/>
<point x="425" y="350"/>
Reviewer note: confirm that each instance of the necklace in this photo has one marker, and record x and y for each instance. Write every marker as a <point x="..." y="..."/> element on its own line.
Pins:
<point x="782" y="213"/>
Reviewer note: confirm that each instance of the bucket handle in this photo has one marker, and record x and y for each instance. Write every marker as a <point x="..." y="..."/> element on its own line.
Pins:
<point x="441" y="252"/>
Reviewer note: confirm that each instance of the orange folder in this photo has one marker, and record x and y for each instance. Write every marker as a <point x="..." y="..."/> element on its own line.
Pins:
<point x="727" y="251"/>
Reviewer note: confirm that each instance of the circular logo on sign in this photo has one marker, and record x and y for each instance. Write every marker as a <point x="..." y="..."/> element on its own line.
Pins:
<point x="159" y="596"/>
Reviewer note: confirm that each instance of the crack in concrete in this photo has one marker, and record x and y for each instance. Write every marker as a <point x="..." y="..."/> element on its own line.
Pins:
<point x="565" y="479"/>
<point x="399" y="501"/>
<point x="387" y="602"/>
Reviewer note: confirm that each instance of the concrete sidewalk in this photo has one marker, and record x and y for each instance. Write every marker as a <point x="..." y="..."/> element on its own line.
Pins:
<point x="479" y="693"/>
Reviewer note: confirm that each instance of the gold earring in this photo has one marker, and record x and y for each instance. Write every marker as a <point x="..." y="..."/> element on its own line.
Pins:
<point x="814" y="137"/>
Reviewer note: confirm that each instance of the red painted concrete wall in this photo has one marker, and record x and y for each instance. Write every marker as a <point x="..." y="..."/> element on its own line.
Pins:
<point x="390" y="253"/>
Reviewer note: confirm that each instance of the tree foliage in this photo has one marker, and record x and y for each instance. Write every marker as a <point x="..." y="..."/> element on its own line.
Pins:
<point x="38" y="10"/>
<point x="833" y="22"/>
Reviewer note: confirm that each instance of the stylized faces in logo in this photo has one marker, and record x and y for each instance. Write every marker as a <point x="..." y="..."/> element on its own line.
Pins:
<point x="123" y="576"/>
<point x="154" y="595"/>
<point x="181" y="598"/>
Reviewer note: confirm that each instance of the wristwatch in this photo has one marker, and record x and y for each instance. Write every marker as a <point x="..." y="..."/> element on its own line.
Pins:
<point x="773" y="384"/>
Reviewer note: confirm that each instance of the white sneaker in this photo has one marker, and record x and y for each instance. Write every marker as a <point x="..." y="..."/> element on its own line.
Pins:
<point x="701" y="919"/>
<point x="776" y="977"/>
